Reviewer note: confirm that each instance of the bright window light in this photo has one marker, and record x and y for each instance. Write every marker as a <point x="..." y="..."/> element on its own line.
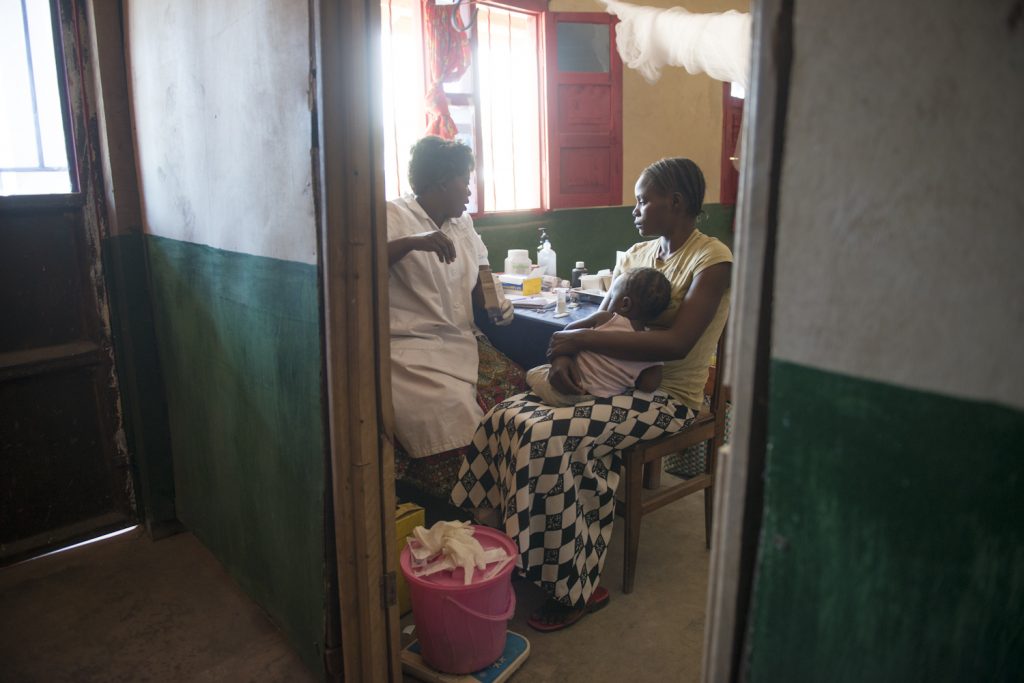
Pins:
<point x="510" y="109"/>
<point x="507" y="145"/>
<point x="33" y="153"/>
<point x="405" y="116"/>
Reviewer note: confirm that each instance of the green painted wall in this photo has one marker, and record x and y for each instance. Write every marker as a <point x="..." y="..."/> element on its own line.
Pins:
<point x="589" y="235"/>
<point x="239" y="346"/>
<point x="892" y="545"/>
<point x="143" y="400"/>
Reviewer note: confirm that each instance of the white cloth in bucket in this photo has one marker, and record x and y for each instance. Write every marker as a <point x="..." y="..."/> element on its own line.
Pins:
<point x="449" y="545"/>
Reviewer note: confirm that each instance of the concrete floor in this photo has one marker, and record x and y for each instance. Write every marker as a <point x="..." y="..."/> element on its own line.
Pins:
<point x="128" y="609"/>
<point x="654" y="634"/>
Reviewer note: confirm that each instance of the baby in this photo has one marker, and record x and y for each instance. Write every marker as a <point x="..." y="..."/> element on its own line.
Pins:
<point x="637" y="297"/>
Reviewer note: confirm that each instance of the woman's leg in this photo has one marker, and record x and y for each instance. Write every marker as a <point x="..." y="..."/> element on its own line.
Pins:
<point x="435" y="475"/>
<point x="552" y="473"/>
<point x="498" y="377"/>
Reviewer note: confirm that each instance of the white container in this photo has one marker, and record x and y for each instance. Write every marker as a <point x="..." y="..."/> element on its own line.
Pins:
<point x="591" y="282"/>
<point x="561" y="307"/>
<point x="547" y="259"/>
<point x="517" y="262"/>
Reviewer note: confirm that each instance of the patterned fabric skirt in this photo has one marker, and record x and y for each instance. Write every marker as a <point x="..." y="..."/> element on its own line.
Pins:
<point x="436" y="474"/>
<point x="552" y="472"/>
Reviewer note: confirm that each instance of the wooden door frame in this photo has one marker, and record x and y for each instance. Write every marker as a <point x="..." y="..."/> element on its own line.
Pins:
<point x="356" y="330"/>
<point x="740" y="485"/>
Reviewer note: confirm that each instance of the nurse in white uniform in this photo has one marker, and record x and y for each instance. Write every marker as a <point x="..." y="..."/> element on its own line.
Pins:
<point x="434" y="256"/>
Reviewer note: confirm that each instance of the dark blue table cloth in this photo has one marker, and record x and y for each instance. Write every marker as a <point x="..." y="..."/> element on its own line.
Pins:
<point x="525" y="341"/>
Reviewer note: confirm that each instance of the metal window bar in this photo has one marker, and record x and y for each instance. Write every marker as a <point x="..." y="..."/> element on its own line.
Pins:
<point x="41" y="166"/>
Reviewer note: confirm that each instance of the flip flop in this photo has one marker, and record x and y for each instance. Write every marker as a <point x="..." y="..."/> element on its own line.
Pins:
<point x="598" y="600"/>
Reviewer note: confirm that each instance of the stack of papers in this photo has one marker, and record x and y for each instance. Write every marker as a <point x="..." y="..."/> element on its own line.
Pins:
<point x="537" y="301"/>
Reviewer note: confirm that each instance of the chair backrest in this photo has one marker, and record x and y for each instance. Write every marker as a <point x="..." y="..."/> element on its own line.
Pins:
<point x="717" y="394"/>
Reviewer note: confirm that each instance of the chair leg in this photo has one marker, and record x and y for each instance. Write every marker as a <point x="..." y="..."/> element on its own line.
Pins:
<point x="634" y="512"/>
<point x="652" y="475"/>
<point x="709" y="507"/>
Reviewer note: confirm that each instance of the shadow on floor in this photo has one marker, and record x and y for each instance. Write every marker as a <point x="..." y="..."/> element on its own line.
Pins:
<point x="129" y="609"/>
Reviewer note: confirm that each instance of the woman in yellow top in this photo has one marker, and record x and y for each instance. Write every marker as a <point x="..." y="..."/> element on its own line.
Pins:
<point x="551" y="473"/>
<point x="669" y="197"/>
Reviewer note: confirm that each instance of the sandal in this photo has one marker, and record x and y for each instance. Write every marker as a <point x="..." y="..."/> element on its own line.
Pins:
<point x="554" y="616"/>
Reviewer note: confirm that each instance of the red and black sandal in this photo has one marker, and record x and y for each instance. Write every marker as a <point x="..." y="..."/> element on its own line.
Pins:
<point x="554" y="616"/>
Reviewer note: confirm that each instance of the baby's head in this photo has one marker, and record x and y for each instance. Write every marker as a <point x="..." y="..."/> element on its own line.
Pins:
<point x="640" y="294"/>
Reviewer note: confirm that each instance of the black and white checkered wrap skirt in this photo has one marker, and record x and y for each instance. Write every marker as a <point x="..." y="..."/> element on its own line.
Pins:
<point x="551" y="473"/>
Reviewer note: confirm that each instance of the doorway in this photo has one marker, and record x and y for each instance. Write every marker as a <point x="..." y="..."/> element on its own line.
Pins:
<point x="356" y="193"/>
<point x="64" y="461"/>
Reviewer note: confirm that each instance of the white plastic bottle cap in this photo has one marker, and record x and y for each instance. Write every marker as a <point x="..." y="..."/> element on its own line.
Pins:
<point x="581" y="264"/>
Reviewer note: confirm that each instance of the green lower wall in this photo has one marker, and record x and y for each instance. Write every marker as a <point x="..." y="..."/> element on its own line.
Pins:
<point x="589" y="235"/>
<point x="239" y="347"/>
<point x="893" y="543"/>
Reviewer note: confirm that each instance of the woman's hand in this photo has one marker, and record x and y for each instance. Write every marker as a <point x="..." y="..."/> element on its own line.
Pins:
<point x="432" y="240"/>
<point x="565" y="376"/>
<point x="437" y="242"/>
<point x="566" y="343"/>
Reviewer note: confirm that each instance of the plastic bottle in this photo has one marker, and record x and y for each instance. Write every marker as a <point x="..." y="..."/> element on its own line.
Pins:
<point x="580" y="269"/>
<point x="517" y="262"/>
<point x="546" y="258"/>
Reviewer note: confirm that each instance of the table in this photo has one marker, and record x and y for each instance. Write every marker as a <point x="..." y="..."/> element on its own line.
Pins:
<point x="526" y="340"/>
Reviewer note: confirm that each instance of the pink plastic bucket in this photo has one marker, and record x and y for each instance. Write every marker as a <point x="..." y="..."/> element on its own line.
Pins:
<point x="461" y="628"/>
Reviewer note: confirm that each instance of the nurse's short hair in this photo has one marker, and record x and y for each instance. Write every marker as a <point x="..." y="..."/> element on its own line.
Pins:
<point x="649" y="290"/>
<point x="435" y="161"/>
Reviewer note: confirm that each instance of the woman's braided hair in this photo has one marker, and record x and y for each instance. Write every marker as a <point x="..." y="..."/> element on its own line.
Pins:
<point x="436" y="160"/>
<point x="679" y="175"/>
<point x="649" y="290"/>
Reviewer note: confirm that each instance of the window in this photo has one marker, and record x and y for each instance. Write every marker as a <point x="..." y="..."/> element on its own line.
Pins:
<point x="510" y="71"/>
<point x="33" y="147"/>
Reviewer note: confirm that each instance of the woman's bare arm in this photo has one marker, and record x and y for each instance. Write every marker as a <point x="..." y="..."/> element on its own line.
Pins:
<point x="590" y="322"/>
<point x="650" y="379"/>
<point x="695" y="313"/>
<point x="431" y="240"/>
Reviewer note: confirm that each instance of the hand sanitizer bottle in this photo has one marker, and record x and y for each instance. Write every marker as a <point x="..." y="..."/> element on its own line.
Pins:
<point x="546" y="257"/>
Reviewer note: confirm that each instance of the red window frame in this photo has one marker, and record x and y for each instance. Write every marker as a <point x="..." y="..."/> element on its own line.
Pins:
<point x="732" y="120"/>
<point x="574" y="132"/>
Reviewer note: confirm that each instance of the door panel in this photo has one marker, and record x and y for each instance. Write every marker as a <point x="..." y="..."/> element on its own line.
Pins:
<point x="41" y="278"/>
<point x="64" y="471"/>
<point x="63" y="476"/>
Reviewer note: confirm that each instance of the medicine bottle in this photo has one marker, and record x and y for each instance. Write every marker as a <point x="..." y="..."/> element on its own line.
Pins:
<point x="580" y="269"/>
<point x="518" y="262"/>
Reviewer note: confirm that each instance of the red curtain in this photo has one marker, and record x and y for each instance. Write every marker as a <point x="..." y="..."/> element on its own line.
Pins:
<point x="448" y="57"/>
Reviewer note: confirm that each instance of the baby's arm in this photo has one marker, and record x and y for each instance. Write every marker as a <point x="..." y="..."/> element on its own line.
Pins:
<point x="592" y="320"/>
<point x="650" y="379"/>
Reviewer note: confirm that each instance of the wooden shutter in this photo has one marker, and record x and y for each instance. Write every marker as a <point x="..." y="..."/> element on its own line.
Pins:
<point x="584" y="115"/>
<point x="732" y="117"/>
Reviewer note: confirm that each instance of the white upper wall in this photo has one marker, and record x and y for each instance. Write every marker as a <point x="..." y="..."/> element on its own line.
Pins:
<point x="223" y="129"/>
<point x="902" y="201"/>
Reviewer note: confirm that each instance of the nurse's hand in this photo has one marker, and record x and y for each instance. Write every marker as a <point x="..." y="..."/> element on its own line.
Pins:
<point x="565" y="376"/>
<point x="507" y="314"/>
<point x="437" y="242"/>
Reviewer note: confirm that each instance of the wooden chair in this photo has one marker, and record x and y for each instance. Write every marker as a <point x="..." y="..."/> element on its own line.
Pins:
<point x="642" y="468"/>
